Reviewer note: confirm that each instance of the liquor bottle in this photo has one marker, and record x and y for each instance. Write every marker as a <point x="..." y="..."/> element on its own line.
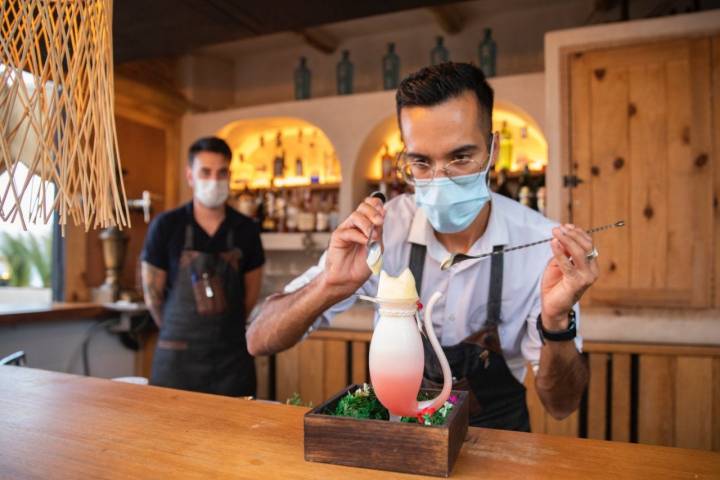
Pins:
<point x="306" y="216"/>
<point x="521" y="148"/>
<point x="391" y="68"/>
<point x="345" y="74"/>
<point x="322" y="217"/>
<point x="387" y="164"/>
<point x="293" y="208"/>
<point x="246" y="203"/>
<point x="488" y="54"/>
<point x="502" y="185"/>
<point x="505" y="155"/>
<point x="302" y="80"/>
<point x="334" y="215"/>
<point x="439" y="54"/>
<point x="268" y="222"/>
<point x="299" y="170"/>
<point x="279" y="160"/>
<point x="281" y="211"/>
<point x="525" y="192"/>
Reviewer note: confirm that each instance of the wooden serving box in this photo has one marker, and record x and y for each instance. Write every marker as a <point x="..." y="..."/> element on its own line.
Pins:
<point x="385" y="445"/>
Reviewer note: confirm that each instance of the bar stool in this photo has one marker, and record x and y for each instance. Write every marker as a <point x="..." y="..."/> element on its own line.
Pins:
<point x="18" y="359"/>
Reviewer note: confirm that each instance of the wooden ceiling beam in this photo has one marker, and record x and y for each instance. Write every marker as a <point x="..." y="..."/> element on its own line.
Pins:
<point x="319" y="39"/>
<point x="448" y="18"/>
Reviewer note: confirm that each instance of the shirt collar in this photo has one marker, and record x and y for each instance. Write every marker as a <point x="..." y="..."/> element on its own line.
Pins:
<point x="496" y="233"/>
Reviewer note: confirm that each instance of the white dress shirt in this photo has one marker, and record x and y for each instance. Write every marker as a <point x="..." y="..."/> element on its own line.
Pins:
<point x="462" y="309"/>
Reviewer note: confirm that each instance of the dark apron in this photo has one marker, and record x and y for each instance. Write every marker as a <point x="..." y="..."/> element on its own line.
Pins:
<point x="497" y="399"/>
<point x="202" y="346"/>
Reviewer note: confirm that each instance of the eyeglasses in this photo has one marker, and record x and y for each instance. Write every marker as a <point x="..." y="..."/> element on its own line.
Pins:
<point x="460" y="171"/>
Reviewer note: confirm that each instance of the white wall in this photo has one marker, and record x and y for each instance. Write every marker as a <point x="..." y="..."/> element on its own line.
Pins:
<point x="264" y="65"/>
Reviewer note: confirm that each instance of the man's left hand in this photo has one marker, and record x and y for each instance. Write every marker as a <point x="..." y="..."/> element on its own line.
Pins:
<point x="569" y="273"/>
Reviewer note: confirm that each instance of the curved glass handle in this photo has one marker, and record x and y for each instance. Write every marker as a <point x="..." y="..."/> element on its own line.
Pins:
<point x="440" y="400"/>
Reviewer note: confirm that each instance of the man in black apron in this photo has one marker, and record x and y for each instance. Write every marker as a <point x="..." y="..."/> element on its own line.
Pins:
<point x="201" y="270"/>
<point x="495" y="315"/>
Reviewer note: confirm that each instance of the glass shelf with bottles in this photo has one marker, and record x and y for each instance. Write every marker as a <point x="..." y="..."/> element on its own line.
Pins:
<point x="287" y="179"/>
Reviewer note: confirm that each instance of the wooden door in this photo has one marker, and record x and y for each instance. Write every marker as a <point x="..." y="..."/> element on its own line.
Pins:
<point x="641" y="142"/>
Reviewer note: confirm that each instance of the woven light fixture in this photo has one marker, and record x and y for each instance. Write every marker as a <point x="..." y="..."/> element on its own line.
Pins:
<point x="56" y="114"/>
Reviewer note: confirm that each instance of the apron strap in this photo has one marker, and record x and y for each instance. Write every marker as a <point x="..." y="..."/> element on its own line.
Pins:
<point x="189" y="243"/>
<point x="417" y="264"/>
<point x="495" y="294"/>
<point x="230" y="239"/>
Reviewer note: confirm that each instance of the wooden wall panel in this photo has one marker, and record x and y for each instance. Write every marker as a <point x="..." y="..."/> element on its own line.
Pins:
<point x="336" y="367"/>
<point x="649" y="193"/>
<point x="597" y="396"/>
<point x="610" y="185"/>
<point x="715" y="418"/>
<point x="288" y="374"/>
<point x="262" y="370"/>
<point x="310" y="365"/>
<point x="656" y="410"/>
<point x="641" y="141"/>
<point x="620" y="401"/>
<point x="693" y="402"/>
<point x="360" y="362"/>
<point x="716" y="162"/>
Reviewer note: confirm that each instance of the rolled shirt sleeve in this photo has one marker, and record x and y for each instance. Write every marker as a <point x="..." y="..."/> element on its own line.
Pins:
<point x="325" y="319"/>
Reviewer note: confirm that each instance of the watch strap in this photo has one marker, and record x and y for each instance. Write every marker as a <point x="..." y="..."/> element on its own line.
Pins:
<point x="557" y="336"/>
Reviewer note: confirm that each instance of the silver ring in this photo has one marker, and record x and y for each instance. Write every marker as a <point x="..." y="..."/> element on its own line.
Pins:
<point x="592" y="255"/>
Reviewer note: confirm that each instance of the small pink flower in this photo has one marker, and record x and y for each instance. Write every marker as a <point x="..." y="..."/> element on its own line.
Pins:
<point x="453" y="399"/>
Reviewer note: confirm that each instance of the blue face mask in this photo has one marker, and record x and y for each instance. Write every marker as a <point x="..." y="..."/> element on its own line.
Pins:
<point x="451" y="205"/>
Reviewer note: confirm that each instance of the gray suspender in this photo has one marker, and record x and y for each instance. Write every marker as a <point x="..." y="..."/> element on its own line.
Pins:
<point x="417" y="268"/>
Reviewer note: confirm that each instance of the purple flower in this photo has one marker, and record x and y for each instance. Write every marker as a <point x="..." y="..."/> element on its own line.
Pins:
<point x="453" y="399"/>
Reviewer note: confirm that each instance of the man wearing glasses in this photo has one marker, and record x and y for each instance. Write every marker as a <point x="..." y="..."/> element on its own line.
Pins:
<point x="495" y="315"/>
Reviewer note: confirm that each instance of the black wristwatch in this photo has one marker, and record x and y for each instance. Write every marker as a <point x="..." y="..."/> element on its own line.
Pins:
<point x="557" y="336"/>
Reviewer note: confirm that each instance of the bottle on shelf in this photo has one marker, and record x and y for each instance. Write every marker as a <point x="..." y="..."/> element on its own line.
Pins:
<point x="439" y="54"/>
<point x="306" y="216"/>
<point x="390" y="68"/>
<point x="387" y="163"/>
<point x="279" y="160"/>
<point x="526" y="192"/>
<point x="299" y="170"/>
<point x="293" y="209"/>
<point x="302" y="80"/>
<point x="334" y="214"/>
<point x="502" y="184"/>
<point x="488" y="54"/>
<point x="246" y="203"/>
<point x="322" y="216"/>
<point x="505" y="156"/>
<point x="313" y="159"/>
<point x="268" y="223"/>
<point x="280" y="211"/>
<point x="345" y="74"/>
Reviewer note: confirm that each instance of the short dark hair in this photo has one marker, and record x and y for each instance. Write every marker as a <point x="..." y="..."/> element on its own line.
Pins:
<point x="433" y="85"/>
<point x="209" y="144"/>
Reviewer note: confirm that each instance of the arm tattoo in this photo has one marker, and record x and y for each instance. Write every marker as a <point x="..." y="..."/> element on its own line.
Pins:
<point x="153" y="282"/>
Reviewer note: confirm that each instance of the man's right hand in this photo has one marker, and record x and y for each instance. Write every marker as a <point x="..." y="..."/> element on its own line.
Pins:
<point x="346" y="267"/>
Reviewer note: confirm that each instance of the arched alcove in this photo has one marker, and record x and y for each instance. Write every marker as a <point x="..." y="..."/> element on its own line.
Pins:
<point x="307" y="155"/>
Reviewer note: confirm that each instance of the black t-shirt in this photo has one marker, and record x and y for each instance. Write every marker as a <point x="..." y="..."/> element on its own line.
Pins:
<point x="165" y="239"/>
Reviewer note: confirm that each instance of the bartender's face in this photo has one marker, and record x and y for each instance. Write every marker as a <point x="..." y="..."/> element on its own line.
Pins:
<point x="442" y="133"/>
<point x="208" y="166"/>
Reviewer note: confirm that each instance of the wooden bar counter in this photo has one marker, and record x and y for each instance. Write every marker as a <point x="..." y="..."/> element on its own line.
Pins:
<point x="58" y="426"/>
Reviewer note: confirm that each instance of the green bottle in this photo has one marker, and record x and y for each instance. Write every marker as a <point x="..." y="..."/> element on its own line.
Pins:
<point x="488" y="54"/>
<point x="345" y="74"/>
<point x="439" y="54"/>
<point x="302" y="80"/>
<point x="391" y="68"/>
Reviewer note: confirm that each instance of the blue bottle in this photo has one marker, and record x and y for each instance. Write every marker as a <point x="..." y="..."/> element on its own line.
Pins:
<point x="488" y="54"/>
<point x="391" y="68"/>
<point x="439" y="54"/>
<point x="345" y="74"/>
<point x="302" y="80"/>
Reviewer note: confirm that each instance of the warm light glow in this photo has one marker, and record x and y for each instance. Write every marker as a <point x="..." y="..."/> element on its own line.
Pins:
<point x="299" y="140"/>
<point x="531" y="149"/>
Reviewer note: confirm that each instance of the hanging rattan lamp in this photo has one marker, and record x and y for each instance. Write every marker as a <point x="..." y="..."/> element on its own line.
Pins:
<point x="56" y="114"/>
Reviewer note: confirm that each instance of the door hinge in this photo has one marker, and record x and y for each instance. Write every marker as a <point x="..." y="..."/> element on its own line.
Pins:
<point x="571" y="181"/>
